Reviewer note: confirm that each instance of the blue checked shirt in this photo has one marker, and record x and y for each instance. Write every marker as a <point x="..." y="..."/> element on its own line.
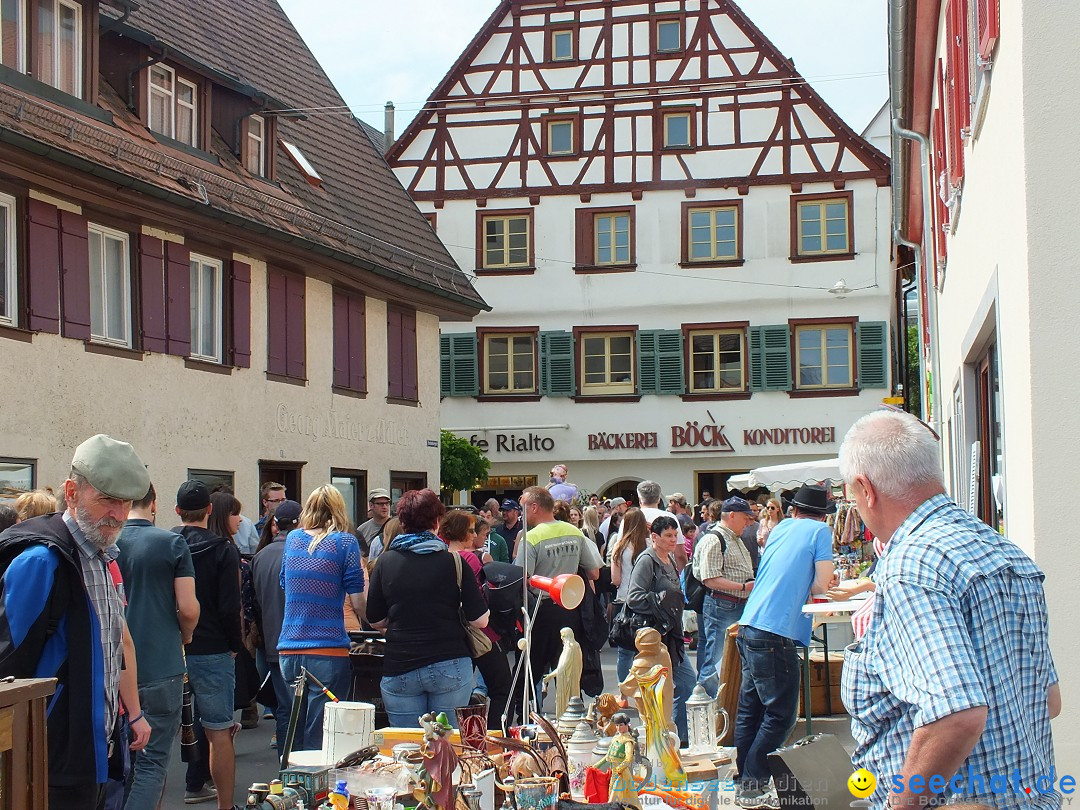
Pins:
<point x="959" y="621"/>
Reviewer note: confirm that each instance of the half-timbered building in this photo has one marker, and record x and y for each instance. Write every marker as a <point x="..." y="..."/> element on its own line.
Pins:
<point x="194" y="263"/>
<point x="983" y="84"/>
<point x="687" y="252"/>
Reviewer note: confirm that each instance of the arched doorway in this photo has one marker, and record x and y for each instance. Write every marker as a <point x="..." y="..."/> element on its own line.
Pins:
<point x="621" y="488"/>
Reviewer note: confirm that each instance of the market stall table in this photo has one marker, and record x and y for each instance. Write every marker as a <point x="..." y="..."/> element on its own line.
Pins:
<point x="824" y="614"/>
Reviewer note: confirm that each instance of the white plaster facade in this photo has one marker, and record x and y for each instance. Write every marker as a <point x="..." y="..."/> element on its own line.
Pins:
<point x="1006" y="287"/>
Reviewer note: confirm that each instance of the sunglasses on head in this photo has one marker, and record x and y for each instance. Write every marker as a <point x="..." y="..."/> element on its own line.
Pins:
<point x="884" y="406"/>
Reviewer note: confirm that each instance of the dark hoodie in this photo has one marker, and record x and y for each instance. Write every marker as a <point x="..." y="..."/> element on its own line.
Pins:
<point x="217" y="586"/>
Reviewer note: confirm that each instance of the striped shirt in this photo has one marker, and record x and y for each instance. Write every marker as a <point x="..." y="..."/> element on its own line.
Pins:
<point x="109" y="610"/>
<point x="959" y="622"/>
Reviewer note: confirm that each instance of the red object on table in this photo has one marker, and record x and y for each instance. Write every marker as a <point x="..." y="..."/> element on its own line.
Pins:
<point x="597" y="785"/>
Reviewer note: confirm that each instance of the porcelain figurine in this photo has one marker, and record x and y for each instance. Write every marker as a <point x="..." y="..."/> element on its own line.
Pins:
<point x="567" y="672"/>
<point x="620" y="757"/>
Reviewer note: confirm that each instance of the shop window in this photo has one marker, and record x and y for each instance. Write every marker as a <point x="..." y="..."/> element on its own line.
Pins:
<point x="509" y="363"/>
<point x="255" y="154"/>
<point x="402" y="482"/>
<point x="669" y="36"/>
<point x="206" y="308"/>
<point x="562" y="46"/>
<point x="678" y="132"/>
<point x="17" y="475"/>
<point x="712" y="233"/>
<point x="173" y="107"/>
<point x="352" y="484"/>
<point x="607" y="363"/>
<point x="110" y="286"/>
<point x="824" y="356"/>
<point x="823" y="226"/>
<point x="58" y="49"/>
<point x="717" y="361"/>
<point x="506" y="241"/>
<point x="9" y="275"/>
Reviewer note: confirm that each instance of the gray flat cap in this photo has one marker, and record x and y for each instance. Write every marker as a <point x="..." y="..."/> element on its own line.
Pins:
<point x="111" y="467"/>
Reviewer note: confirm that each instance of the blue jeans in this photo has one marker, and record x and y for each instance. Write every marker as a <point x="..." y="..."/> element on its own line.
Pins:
<point x="683" y="679"/>
<point x="160" y="702"/>
<point x="438" y="687"/>
<point x="717" y="617"/>
<point x="622" y="666"/>
<point x="335" y="672"/>
<point x="768" y="701"/>
<point x="213" y="680"/>
<point x="284" y="692"/>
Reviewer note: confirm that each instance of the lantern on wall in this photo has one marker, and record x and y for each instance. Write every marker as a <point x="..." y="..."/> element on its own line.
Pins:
<point x="701" y="722"/>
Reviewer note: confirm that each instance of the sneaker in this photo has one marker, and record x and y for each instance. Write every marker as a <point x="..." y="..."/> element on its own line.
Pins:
<point x="273" y="741"/>
<point x="268" y="715"/>
<point x="249" y="717"/>
<point x="755" y="799"/>
<point x="203" y="794"/>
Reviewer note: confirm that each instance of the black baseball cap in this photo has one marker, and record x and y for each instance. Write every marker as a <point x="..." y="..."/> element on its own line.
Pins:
<point x="193" y="496"/>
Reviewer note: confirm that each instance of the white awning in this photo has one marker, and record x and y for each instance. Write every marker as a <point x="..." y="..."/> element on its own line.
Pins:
<point x="789" y="476"/>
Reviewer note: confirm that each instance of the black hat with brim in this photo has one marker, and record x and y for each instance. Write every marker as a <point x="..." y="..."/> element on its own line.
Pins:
<point x="814" y="498"/>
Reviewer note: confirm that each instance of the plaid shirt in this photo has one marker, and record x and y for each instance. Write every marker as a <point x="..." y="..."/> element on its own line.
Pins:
<point x="711" y="561"/>
<point x="959" y="622"/>
<point x="109" y="610"/>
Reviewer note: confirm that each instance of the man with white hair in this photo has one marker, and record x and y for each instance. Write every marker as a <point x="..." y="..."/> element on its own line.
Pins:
<point x="649" y="496"/>
<point x="952" y="689"/>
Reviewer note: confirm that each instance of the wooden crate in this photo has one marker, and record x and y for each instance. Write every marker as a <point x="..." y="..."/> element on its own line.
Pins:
<point x="818" y="683"/>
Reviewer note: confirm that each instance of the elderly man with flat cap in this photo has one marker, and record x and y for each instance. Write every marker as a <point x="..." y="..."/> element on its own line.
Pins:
<point x="62" y="617"/>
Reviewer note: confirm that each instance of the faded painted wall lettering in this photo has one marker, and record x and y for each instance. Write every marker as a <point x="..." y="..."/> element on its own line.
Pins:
<point x="336" y="426"/>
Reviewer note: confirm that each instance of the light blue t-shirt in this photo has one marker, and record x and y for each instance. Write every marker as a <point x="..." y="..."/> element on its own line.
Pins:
<point x="785" y="576"/>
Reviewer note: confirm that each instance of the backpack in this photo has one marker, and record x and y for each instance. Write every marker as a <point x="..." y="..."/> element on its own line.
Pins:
<point x="502" y="589"/>
<point x="694" y="590"/>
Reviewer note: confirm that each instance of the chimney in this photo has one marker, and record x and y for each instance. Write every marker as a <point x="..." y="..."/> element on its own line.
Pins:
<point x="388" y="125"/>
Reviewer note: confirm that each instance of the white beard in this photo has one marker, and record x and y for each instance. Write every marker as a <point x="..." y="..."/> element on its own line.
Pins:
<point x="93" y="530"/>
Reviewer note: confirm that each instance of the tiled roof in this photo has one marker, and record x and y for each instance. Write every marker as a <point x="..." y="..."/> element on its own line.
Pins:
<point x="360" y="210"/>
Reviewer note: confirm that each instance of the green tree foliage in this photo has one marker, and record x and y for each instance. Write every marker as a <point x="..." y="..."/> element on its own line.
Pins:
<point x="913" y="391"/>
<point x="463" y="465"/>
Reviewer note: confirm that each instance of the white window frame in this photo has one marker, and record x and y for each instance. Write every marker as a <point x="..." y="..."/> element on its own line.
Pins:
<point x="79" y="44"/>
<point x="258" y="143"/>
<point x="609" y="387"/>
<point x="169" y="95"/>
<point x="196" y="309"/>
<point x="125" y="304"/>
<point x="509" y="337"/>
<point x="20" y="37"/>
<point x="822" y="328"/>
<point x="193" y="106"/>
<point x="716" y="387"/>
<point x="9" y="316"/>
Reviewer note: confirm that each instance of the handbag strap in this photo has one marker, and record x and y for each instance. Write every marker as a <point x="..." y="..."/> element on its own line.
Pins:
<point x="457" y="567"/>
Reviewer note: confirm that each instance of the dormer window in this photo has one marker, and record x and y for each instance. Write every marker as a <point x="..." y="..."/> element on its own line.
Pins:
<point x="173" y="105"/>
<point x="58" y="48"/>
<point x="255" y="148"/>
<point x="12" y="32"/>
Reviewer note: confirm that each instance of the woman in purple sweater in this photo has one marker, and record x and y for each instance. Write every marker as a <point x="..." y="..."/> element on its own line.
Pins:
<point x="321" y="564"/>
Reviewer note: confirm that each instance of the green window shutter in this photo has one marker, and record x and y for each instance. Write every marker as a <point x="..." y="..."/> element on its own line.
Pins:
<point x="458" y="366"/>
<point x="770" y="358"/>
<point x="660" y="362"/>
<point x="557" y="364"/>
<point x="872" y="339"/>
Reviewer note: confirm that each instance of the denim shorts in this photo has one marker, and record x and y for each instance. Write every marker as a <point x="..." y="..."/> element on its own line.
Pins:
<point x="213" y="680"/>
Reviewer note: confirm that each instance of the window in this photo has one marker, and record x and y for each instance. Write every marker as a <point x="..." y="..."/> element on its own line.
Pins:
<point x="669" y="36"/>
<point x="507" y="241"/>
<point x="677" y="130"/>
<point x="58" y="58"/>
<point x="255" y="160"/>
<point x="17" y="475"/>
<point x="560" y="138"/>
<point x="401" y="381"/>
<point x="510" y="364"/>
<point x="717" y="361"/>
<point x="110" y="286"/>
<point x="712" y="233"/>
<point x="353" y="488"/>
<point x="350" y="341"/>
<point x="206" y="308"/>
<point x="309" y="172"/>
<point x="187" y="120"/>
<point x="173" y="104"/>
<point x="607" y="363"/>
<point x="287" y="325"/>
<point x="824" y="356"/>
<point x="9" y="291"/>
<point x="12" y="32"/>
<point x="611" y="238"/>
<point x="213" y="478"/>
<point x="562" y="46"/>
<point x="823" y="226"/>
<point x="402" y="482"/>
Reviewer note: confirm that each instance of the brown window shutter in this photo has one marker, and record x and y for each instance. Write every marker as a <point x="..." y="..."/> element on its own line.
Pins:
<point x="277" y="319"/>
<point x="178" y="296"/>
<point x="295" y="322"/>
<point x="583" y="237"/>
<point x="394" y="354"/>
<point x="341" y="339"/>
<point x="357" y="343"/>
<point x="43" y="267"/>
<point x="409" y="387"/>
<point x="152" y="293"/>
<point x="241" y="314"/>
<point x="75" y="275"/>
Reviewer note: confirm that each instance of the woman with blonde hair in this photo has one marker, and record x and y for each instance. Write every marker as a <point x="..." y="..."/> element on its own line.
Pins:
<point x="633" y="539"/>
<point x="320" y="565"/>
<point x="590" y="525"/>
<point x="35" y="503"/>
<point x="771" y="515"/>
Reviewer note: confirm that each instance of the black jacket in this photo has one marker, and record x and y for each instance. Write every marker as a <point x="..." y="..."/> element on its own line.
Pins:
<point x="217" y="587"/>
<point x="48" y="630"/>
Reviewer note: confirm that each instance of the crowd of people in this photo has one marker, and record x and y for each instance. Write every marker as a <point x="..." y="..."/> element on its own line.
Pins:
<point x="131" y="617"/>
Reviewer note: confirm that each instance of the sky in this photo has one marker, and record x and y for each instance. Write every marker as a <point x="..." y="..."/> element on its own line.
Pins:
<point x="377" y="51"/>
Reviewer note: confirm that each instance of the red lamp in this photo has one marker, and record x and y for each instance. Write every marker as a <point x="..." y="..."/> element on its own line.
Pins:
<point x="565" y="590"/>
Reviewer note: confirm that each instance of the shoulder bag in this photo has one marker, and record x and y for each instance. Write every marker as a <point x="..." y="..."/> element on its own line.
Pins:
<point x="626" y="623"/>
<point x="479" y="643"/>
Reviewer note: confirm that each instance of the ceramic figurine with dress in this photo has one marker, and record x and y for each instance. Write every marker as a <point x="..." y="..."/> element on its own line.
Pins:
<point x="620" y="758"/>
<point x="567" y="673"/>
<point x="436" y="790"/>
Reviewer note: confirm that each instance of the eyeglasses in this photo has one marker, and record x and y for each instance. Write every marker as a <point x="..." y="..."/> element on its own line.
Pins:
<point x="884" y="406"/>
<point x="276" y="500"/>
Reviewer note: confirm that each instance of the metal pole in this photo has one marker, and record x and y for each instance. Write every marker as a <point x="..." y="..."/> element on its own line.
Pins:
<point x="294" y="717"/>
